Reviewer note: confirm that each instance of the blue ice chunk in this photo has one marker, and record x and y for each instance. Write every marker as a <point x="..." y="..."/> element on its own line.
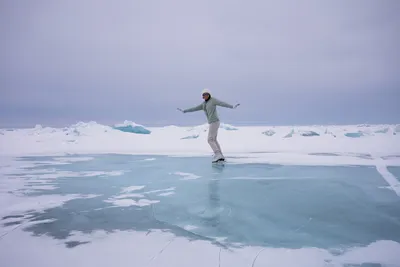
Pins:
<point x="131" y="127"/>
<point x="269" y="132"/>
<point x="191" y="136"/>
<point x="354" y="135"/>
<point x="228" y="127"/>
<point x="309" y="133"/>
<point x="289" y="134"/>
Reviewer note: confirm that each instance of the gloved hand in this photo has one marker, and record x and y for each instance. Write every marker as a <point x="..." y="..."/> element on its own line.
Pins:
<point x="235" y="106"/>
<point x="180" y="110"/>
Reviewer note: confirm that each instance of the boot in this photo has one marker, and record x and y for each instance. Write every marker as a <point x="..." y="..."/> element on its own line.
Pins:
<point x="218" y="157"/>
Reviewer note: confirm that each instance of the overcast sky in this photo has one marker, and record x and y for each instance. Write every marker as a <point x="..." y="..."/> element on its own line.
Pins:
<point x="286" y="62"/>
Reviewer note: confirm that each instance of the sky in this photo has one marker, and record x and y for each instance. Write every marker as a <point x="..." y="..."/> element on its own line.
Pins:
<point x="285" y="62"/>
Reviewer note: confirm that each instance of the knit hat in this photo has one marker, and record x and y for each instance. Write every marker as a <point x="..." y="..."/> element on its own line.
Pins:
<point x="206" y="91"/>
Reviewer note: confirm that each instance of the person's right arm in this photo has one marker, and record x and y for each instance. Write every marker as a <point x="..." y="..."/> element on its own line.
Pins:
<point x="196" y="108"/>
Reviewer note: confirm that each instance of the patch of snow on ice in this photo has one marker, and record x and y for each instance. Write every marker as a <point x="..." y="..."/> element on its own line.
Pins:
<point x="187" y="176"/>
<point x="132" y="188"/>
<point x="130" y="202"/>
<point x="166" y="194"/>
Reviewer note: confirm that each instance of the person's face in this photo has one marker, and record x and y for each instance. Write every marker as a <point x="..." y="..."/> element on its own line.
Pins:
<point x="206" y="96"/>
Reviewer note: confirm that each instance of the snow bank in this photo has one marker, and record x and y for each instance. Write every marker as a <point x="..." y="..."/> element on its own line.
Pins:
<point x="82" y="128"/>
<point x="91" y="137"/>
<point x="204" y="127"/>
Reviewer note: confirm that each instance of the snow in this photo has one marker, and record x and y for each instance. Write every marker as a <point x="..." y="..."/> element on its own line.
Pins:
<point x="388" y="176"/>
<point x="132" y="188"/>
<point x="156" y="248"/>
<point x="166" y="194"/>
<point x="94" y="138"/>
<point x="38" y="203"/>
<point x="131" y="202"/>
<point x="187" y="176"/>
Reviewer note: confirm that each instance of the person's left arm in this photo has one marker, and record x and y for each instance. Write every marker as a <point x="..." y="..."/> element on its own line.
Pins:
<point x="224" y="104"/>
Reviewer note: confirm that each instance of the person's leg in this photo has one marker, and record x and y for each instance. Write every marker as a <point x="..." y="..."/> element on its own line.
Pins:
<point x="217" y="143"/>
<point x="212" y="139"/>
<point x="212" y="135"/>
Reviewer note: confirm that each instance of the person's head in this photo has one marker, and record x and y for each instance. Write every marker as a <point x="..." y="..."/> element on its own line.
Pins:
<point x="206" y="94"/>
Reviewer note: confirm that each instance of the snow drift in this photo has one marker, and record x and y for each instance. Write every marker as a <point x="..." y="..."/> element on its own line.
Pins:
<point x="130" y="137"/>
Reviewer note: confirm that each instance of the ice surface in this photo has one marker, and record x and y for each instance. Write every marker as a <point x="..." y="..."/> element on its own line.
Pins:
<point x="181" y="210"/>
<point x="93" y="195"/>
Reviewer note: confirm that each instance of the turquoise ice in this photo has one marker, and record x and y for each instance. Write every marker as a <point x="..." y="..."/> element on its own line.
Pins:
<point x="233" y="205"/>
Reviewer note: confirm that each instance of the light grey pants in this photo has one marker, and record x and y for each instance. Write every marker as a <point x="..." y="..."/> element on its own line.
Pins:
<point x="212" y="138"/>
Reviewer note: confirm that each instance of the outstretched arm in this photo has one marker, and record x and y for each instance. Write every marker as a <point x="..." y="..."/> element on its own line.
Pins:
<point x="222" y="103"/>
<point x="196" y="108"/>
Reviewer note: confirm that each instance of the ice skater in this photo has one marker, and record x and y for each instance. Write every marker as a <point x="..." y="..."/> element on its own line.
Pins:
<point x="210" y="109"/>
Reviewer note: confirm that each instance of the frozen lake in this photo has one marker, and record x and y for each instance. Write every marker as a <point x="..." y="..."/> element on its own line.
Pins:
<point x="149" y="209"/>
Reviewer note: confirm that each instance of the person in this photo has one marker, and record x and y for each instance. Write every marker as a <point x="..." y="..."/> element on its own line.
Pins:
<point x="209" y="106"/>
